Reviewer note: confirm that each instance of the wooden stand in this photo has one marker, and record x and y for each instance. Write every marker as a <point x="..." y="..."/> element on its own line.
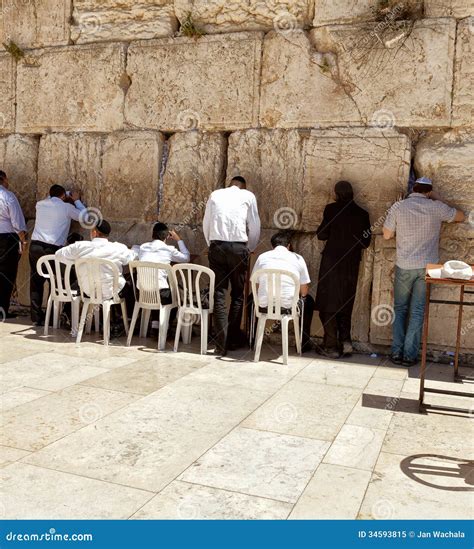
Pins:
<point x="462" y="285"/>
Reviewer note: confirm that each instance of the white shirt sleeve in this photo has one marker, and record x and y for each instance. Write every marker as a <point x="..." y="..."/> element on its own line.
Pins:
<point x="16" y="215"/>
<point x="253" y="224"/>
<point x="126" y="255"/>
<point x="180" y="256"/>
<point x="206" y="222"/>
<point x="69" y="253"/>
<point x="304" y="274"/>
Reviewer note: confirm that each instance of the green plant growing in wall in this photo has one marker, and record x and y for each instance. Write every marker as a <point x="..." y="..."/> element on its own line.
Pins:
<point x="189" y="29"/>
<point x="14" y="50"/>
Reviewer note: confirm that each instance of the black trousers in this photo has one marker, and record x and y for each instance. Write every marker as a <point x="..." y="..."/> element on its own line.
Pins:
<point x="337" y="327"/>
<point x="37" y="251"/>
<point x="9" y="258"/>
<point x="306" y="304"/>
<point x="229" y="261"/>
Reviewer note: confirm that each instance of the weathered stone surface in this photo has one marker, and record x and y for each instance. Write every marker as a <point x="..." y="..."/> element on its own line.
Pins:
<point x="18" y="159"/>
<point x="224" y="16"/>
<point x="181" y="84"/>
<point x="7" y="94"/>
<point x="74" y="161"/>
<point x="98" y="20"/>
<point x="293" y="173"/>
<point x="194" y="168"/>
<point x="463" y="100"/>
<point x="448" y="160"/>
<point x="71" y="89"/>
<point x="118" y="173"/>
<point x="272" y="164"/>
<point x="338" y="12"/>
<point x="343" y="75"/>
<point x="36" y="23"/>
<point x="131" y="171"/>
<point x="443" y="323"/>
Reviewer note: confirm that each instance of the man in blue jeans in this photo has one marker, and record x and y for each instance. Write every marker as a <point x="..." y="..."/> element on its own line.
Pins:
<point x="416" y="222"/>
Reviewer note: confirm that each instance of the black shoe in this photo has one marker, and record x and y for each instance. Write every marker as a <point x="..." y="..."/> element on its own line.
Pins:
<point x="408" y="362"/>
<point x="217" y="352"/>
<point x="38" y="323"/>
<point x="328" y="353"/>
<point x="307" y="347"/>
<point x="396" y="359"/>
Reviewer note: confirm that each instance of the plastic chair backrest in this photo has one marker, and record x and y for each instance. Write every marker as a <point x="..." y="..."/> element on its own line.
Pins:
<point x="90" y="271"/>
<point x="274" y="279"/>
<point x="189" y="278"/>
<point x="58" y="272"/>
<point x="148" y="281"/>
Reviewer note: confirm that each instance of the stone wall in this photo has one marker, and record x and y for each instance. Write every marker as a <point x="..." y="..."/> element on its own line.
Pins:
<point x="149" y="105"/>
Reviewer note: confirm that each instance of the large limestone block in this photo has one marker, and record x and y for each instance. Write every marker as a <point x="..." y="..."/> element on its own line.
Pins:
<point x="182" y="84"/>
<point x="74" y="88"/>
<point x="74" y="161"/>
<point x="293" y="173"/>
<point x="36" y="23"/>
<point x="224" y="16"/>
<point x="463" y="100"/>
<point x="334" y="12"/>
<point x="107" y="20"/>
<point x="272" y="163"/>
<point x="117" y="174"/>
<point x="131" y="173"/>
<point x="194" y="168"/>
<point x="448" y="160"/>
<point x="18" y="159"/>
<point x="443" y="323"/>
<point x="344" y="75"/>
<point x="7" y="93"/>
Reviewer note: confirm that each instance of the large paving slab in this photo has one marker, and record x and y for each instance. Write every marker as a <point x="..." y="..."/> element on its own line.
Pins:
<point x="343" y="75"/>
<point x="194" y="168"/>
<point x="293" y="173"/>
<point x="108" y="20"/>
<point x="334" y="492"/>
<point x="36" y="424"/>
<point x="224" y="16"/>
<point x="442" y="480"/>
<point x="24" y="487"/>
<point x="225" y="70"/>
<point x="19" y="160"/>
<point x="71" y="88"/>
<point x="463" y="99"/>
<point x="7" y="94"/>
<point x="36" y="23"/>
<point x="259" y="463"/>
<point x="185" y="501"/>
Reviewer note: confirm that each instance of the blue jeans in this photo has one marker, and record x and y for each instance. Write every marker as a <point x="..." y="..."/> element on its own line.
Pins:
<point x="410" y="298"/>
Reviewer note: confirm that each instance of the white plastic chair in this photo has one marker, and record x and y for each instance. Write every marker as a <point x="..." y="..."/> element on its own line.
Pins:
<point x="149" y="299"/>
<point x="189" y="281"/>
<point x="58" y="272"/>
<point x="90" y="273"/>
<point x="274" y="308"/>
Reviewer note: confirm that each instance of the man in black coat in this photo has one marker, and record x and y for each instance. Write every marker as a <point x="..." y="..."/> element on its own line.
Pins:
<point x="346" y="230"/>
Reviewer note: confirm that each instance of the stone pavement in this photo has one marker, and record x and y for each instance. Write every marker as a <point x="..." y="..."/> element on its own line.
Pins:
<point x="90" y="432"/>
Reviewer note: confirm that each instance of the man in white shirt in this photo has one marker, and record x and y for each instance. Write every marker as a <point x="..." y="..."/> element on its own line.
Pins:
<point x="229" y="214"/>
<point x="100" y="247"/>
<point x="12" y="232"/>
<point x="53" y="221"/>
<point x="157" y="251"/>
<point x="281" y="257"/>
